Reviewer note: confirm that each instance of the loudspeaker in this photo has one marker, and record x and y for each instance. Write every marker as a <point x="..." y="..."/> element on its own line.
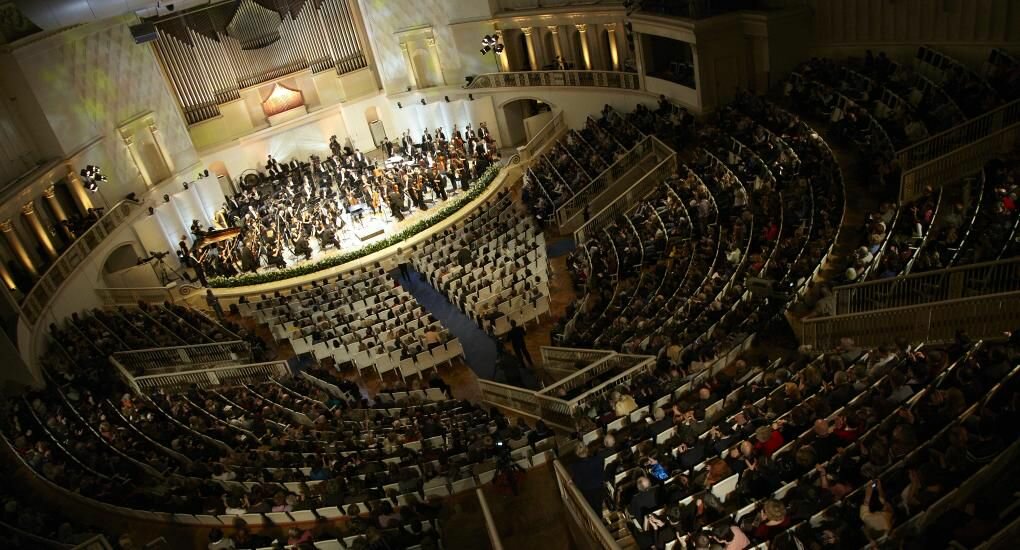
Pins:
<point x="143" y="32"/>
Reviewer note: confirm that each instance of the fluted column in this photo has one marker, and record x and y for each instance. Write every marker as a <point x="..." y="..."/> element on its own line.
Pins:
<point x="6" y="277"/>
<point x="556" y="42"/>
<point x="529" y="40"/>
<point x="614" y="53"/>
<point x="58" y="210"/>
<point x="78" y="192"/>
<point x="28" y="211"/>
<point x="583" y="30"/>
<point x="412" y="79"/>
<point x="14" y="241"/>
<point x="132" y="149"/>
<point x="434" y="51"/>
<point x="157" y="138"/>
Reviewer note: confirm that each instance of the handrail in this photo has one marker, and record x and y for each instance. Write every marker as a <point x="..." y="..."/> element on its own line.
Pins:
<point x="948" y="141"/>
<point x="555" y="353"/>
<point x="980" y="317"/>
<point x="520" y="400"/>
<point x="113" y="296"/>
<point x="666" y="164"/>
<point x="569" y="216"/>
<point x="546" y="134"/>
<point x="966" y="281"/>
<point x="38" y="298"/>
<point x="962" y="160"/>
<point x="210" y="377"/>
<point x="528" y="79"/>
<point x="584" y="516"/>
<point x="181" y="358"/>
<point x="490" y="524"/>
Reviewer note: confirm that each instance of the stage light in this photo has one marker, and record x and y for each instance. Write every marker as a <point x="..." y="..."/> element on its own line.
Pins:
<point x="423" y="101"/>
<point x="471" y="97"/>
<point x="484" y="50"/>
<point x="447" y="98"/>
<point x="91" y="177"/>
<point x="498" y="48"/>
<point x="399" y="106"/>
<point x="409" y="88"/>
<point x="185" y="186"/>
<point x="166" y="198"/>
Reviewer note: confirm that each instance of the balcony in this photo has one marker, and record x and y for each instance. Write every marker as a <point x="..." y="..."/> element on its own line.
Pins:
<point x="529" y="79"/>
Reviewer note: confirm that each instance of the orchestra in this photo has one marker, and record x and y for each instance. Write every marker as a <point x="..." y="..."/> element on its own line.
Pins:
<point x="283" y="208"/>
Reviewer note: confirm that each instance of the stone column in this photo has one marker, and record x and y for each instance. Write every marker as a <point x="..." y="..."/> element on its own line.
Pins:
<point x="583" y="30"/>
<point x="28" y="211"/>
<point x="20" y="254"/>
<point x="157" y="138"/>
<point x="614" y="53"/>
<point x="132" y="149"/>
<point x="529" y="40"/>
<point x="58" y="211"/>
<point x="434" y="50"/>
<point x="6" y="277"/>
<point x="412" y="79"/>
<point x="556" y="41"/>
<point x="78" y="191"/>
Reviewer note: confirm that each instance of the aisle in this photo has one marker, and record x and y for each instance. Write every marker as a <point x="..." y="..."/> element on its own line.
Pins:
<point x="479" y="349"/>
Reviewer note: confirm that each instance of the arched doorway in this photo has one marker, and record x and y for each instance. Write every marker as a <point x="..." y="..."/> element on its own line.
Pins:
<point x="524" y="117"/>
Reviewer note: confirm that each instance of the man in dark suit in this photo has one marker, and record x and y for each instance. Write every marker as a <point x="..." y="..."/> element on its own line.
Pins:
<point x="516" y="336"/>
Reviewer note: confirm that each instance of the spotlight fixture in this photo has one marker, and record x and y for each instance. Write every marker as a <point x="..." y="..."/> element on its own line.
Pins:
<point x="447" y="98"/>
<point x="91" y="177"/>
<point x="471" y="97"/>
<point x="491" y="43"/>
<point x="423" y="101"/>
<point x="166" y="198"/>
<point x="399" y="106"/>
<point x="409" y="88"/>
<point x="185" y="186"/>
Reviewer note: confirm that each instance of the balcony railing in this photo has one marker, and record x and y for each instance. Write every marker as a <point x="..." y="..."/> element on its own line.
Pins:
<point x="182" y="358"/>
<point x="47" y="286"/>
<point x="623" y="200"/>
<point x="933" y="286"/>
<point x="587" y="520"/>
<point x="981" y="317"/>
<point x="530" y="79"/>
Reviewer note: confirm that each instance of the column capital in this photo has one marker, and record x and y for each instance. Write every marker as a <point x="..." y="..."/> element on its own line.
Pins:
<point x="610" y="27"/>
<point x="581" y="27"/>
<point x="430" y="42"/>
<point x="28" y="208"/>
<point x="49" y="192"/>
<point x="553" y="29"/>
<point x="526" y="31"/>
<point x="403" y="46"/>
<point x="6" y="226"/>
<point x="129" y="139"/>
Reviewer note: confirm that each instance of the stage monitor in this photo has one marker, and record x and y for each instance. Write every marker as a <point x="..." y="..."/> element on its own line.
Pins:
<point x="143" y="32"/>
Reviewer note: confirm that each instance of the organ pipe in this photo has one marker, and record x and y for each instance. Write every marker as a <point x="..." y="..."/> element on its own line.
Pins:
<point x="223" y="50"/>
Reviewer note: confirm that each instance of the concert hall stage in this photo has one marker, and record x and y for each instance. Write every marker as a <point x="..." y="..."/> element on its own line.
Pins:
<point x="371" y="228"/>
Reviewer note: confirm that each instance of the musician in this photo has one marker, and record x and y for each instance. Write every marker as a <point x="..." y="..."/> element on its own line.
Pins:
<point x="334" y="146"/>
<point x="359" y="158"/>
<point x="272" y="166"/>
<point x="185" y="252"/>
<point x="387" y="146"/>
<point x="396" y="200"/>
<point x="196" y="229"/>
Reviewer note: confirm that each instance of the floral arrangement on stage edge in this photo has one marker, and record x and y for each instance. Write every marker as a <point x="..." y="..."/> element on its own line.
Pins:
<point x="476" y="189"/>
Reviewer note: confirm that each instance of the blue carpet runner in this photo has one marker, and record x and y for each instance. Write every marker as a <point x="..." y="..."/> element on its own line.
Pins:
<point x="480" y="352"/>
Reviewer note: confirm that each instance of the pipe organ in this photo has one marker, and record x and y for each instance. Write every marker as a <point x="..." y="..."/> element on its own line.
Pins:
<point x="212" y="54"/>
